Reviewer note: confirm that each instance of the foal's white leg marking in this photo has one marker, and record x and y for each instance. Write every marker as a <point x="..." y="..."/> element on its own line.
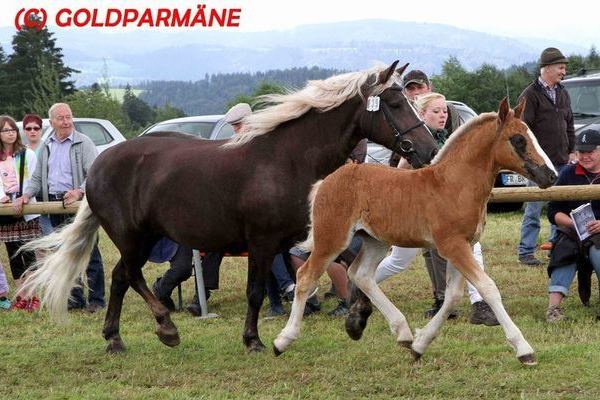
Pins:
<point x="539" y="150"/>
<point x="362" y="272"/>
<point x="489" y="291"/>
<point x="291" y="331"/>
<point x="454" y="291"/>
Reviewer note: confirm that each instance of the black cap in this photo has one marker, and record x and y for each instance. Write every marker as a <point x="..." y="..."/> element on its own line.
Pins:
<point x="588" y="140"/>
<point x="415" y="76"/>
<point x="552" y="55"/>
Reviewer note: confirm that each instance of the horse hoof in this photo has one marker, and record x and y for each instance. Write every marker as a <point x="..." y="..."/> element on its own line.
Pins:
<point x="255" y="347"/>
<point x="355" y="327"/>
<point x="528" y="360"/>
<point x="416" y="355"/>
<point x="405" y="343"/>
<point x="169" y="337"/>
<point x="276" y="351"/>
<point x="115" y="347"/>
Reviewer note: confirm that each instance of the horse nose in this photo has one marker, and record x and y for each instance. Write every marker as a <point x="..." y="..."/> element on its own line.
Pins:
<point x="433" y="153"/>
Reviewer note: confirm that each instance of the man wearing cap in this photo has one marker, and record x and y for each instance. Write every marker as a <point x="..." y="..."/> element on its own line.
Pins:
<point x="548" y="114"/>
<point x="566" y="253"/>
<point x="236" y="115"/>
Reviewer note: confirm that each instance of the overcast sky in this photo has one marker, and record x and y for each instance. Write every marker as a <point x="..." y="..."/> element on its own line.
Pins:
<point x="576" y="21"/>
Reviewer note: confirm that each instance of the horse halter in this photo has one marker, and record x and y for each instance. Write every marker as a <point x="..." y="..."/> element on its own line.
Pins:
<point x="374" y="103"/>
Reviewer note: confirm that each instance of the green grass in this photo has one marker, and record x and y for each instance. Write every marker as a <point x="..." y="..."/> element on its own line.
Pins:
<point x="40" y="359"/>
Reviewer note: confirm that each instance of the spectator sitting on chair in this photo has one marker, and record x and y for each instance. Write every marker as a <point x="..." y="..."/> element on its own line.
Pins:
<point x="180" y="259"/>
<point x="570" y="253"/>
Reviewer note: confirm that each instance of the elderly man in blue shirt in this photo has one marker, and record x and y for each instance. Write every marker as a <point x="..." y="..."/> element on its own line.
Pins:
<point x="63" y="164"/>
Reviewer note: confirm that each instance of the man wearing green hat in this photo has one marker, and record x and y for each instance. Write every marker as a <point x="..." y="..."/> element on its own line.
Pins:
<point x="548" y="114"/>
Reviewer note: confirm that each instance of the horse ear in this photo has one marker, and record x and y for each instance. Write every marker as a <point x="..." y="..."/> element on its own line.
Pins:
<point x="503" y="111"/>
<point x="385" y="75"/>
<point x="520" y="108"/>
<point x="401" y="70"/>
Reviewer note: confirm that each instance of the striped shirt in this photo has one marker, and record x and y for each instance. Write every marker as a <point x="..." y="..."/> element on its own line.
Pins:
<point x="550" y="90"/>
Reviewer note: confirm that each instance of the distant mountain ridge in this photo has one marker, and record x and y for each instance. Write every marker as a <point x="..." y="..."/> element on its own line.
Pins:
<point x="137" y="55"/>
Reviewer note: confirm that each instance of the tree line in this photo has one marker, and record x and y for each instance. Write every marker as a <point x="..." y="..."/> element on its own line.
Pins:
<point x="34" y="76"/>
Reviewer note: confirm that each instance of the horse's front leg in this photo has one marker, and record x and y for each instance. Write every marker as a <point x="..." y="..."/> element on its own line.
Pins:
<point x="460" y="255"/>
<point x="260" y="261"/>
<point x="454" y="290"/>
<point x="490" y="293"/>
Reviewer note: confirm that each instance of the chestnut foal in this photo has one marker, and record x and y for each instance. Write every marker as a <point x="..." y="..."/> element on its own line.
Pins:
<point x="443" y="205"/>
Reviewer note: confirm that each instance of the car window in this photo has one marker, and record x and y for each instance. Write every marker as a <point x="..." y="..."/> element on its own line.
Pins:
<point x="200" y="129"/>
<point x="225" y="132"/>
<point x="585" y="96"/>
<point x="94" y="131"/>
<point x="464" y="115"/>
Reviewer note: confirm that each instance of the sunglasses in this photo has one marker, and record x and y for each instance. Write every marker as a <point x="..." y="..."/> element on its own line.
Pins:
<point x="33" y="128"/>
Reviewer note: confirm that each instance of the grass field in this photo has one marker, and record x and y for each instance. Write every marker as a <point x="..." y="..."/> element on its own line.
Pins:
<point x="42" y="360"/>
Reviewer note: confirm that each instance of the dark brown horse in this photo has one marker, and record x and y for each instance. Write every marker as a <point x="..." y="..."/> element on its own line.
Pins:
<point x="250" y="193"/>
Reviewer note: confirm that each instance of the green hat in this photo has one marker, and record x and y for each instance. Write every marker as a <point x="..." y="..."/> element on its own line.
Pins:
<point x="552" y="55"/>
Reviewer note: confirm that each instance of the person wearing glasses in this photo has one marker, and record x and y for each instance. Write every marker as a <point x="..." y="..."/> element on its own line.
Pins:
<point x="65" y="159"/>
<point x="32" y="125"/>
<point x="16" y="166"/>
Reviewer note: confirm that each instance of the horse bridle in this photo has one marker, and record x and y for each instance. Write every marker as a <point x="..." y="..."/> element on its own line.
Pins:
<point x="406" y="145"/>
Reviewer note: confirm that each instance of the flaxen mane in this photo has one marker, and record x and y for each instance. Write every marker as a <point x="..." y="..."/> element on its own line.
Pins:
<point x="322" y="95"/>
<point x="477" y="121"/>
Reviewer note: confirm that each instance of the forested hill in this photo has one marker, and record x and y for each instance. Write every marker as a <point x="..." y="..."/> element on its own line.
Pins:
<point x="211" y="94"/>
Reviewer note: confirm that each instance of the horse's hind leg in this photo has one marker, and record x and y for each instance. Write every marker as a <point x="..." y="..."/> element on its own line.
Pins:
<point x="362" y="272"/>
<point x="166" y="329"/>
<point x="118" y="288"/>
<point x="360" y="311"/>
<point x="306" y="281"/>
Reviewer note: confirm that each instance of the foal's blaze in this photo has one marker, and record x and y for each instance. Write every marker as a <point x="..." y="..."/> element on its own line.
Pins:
<point x="528" y="158"/>
<point x="442" y="205"/>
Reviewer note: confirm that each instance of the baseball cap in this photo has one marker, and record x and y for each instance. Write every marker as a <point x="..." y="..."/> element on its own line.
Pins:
<point x="415" y="76"/>
<point x="588" y="140"/>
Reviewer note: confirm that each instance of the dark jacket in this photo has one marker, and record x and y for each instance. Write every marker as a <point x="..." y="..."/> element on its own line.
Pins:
<point x="572" y="174"/>
<point x="552" y="124"/>
<point x="568" y="249"/>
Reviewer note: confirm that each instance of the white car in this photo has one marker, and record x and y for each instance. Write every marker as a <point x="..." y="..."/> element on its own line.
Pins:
<point x="102" y="132"/>
<point x="211" y="127"/>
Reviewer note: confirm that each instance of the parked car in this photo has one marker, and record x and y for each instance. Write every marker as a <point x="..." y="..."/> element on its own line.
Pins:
<point x="102" y="132"/>
<point x="210" y="127"/>
<point x="584" y="90"/>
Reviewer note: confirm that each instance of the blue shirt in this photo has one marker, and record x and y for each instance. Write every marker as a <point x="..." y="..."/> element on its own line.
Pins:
<point x="60" y="176"/>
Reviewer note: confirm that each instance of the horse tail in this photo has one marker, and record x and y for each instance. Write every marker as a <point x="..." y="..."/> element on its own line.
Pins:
<point x="66" y="256"/>
<point x="309" y="243"/>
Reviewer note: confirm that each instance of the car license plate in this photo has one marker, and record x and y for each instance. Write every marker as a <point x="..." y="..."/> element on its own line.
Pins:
<point x="513" y="180"/>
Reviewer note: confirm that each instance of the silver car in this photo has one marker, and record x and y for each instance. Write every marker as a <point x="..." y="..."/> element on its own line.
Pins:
<point x="102" y="132"/>
<point x="211" y="127"/>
